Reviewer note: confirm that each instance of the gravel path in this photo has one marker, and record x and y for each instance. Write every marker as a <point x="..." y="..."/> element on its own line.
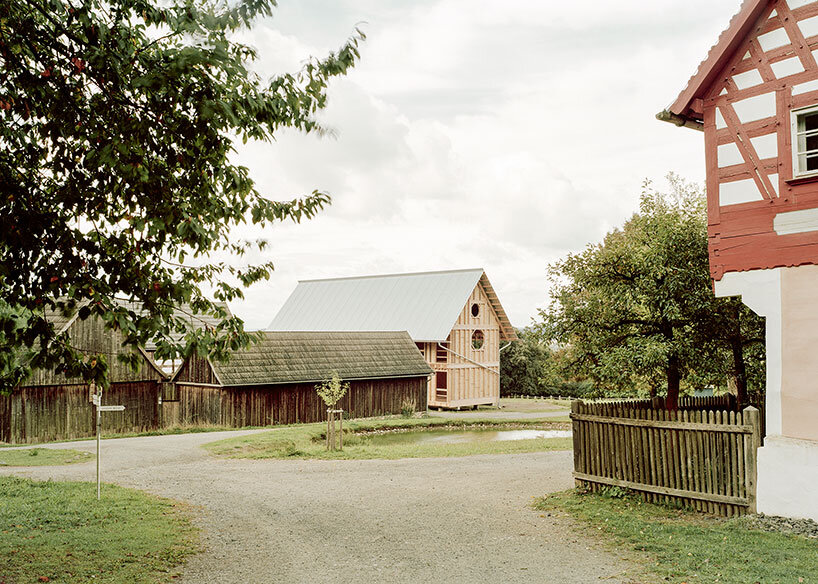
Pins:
<point x="402" y="521"/>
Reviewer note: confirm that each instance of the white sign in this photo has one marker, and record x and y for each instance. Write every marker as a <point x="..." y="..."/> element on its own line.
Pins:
<point x="111" y="408"/>
<point x="95" y="399"/>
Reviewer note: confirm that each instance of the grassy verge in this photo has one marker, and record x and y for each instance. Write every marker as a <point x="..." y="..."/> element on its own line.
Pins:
<point x="59" y="532"/>
<point x="681" y="546"/>
<point x="42" y="457"/>
<point x="307" y="440"/>
<point x="172" y="430"/>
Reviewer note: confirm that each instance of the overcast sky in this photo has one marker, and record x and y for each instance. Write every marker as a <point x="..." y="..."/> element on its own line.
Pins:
<point x="500" y="135"/>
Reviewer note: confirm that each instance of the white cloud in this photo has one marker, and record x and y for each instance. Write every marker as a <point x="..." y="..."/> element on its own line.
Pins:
<point x="500" y="135"/>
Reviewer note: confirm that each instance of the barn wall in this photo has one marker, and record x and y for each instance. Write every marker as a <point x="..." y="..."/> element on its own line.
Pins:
<point x="64" y="412"/>
<point x="196" y="370"/>
<point x="299" y="403"/>
<point x="295" y="403"/>
<point x="468" y="383"/>
<point x="92" y="337"/>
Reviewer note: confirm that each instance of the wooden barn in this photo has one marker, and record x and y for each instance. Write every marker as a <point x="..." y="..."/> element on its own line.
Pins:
<point x="52" y="407"/>
<point x="755" y="100"/>
<point x="454" y="317"/>
<point x="273" y="381"/>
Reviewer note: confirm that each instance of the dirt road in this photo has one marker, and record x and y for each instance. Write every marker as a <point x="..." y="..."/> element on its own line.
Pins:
<point x="401" y="521"/>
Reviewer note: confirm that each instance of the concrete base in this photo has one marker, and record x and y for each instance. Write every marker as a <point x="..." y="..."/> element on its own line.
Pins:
<point x="788" y="477"/>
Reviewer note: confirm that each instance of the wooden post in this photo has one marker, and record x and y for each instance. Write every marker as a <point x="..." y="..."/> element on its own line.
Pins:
<point x="751" y="444"/>
<point x="341" y="433"/>
<point x="575" y="433"/>
<point x="329" y="419"/>
<point x="97" y="403"/>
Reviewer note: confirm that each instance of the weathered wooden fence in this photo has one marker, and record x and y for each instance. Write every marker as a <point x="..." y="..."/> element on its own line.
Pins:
<point x="705" y="458"/>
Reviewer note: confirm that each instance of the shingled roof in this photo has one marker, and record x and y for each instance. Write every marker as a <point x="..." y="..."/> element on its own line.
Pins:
<point x="301" y="357"/>
<point x="62" y="322"/>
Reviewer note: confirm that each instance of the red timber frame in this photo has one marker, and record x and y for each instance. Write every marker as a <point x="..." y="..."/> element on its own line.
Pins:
<point x="742" y="236"/>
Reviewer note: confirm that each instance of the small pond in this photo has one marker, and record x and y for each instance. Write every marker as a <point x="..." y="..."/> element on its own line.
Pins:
<point x="464" y="436"/>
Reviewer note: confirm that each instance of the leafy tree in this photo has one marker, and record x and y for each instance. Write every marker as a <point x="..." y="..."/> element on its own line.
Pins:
<point x="117" y="124"/>
<point x="332" y="390"/>
<point x="531" y="366"/>
<point x="638" y="311"/>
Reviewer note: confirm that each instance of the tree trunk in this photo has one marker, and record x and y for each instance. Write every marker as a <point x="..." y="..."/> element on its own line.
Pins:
<point x="739" y="370"/>
<point x="673" y="379"/>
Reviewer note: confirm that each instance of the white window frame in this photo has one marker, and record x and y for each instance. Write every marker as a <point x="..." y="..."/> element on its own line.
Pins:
<point x="794" y="115"/>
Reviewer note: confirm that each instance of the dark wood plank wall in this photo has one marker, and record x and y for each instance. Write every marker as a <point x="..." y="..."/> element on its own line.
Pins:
<point x="91" y="336"/>
<point x="197" y="406"/>
<point x="64" y="412"/>
<point x="288" y="403"/>
<point x="5" y="418"/>
<point x="42" y="414"/>
<point x="196" y="370"/>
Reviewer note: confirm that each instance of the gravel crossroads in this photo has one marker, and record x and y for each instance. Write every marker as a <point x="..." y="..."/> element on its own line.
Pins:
<point x="404" y="521"/>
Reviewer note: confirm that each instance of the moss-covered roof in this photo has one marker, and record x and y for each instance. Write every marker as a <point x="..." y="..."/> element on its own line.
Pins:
<point x="300" y="357"/>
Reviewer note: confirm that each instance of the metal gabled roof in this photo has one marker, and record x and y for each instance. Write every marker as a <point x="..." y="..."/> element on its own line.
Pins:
<point x="425" y="304"/>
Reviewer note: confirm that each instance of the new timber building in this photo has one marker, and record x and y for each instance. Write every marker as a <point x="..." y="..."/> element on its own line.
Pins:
<point x="454" y="317"/>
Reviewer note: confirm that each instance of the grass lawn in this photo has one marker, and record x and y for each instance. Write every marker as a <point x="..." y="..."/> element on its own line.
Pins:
<point x="42" y="457"/>
<point x="682" y="546"/>
<point x="171" y="430"/>
<point x="307" y="440"/>
<point x="58" y="532"/>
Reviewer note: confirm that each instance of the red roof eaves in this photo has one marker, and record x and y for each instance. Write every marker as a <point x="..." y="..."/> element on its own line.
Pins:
<point x="717" y="58"/>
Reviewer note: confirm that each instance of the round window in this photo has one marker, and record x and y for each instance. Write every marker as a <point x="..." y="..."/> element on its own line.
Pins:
<point x="477" y="340"/>
<point x="475" y="309"/>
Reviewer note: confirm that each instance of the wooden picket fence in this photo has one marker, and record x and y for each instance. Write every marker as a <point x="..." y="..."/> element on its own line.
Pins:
<point x="700" y="458"/>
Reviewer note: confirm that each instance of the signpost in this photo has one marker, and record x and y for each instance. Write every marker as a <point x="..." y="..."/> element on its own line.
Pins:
<point x="96" y="399"/>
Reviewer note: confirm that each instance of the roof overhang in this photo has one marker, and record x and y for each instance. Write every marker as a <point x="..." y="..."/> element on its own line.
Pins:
<point x="687" y="110"/>
<point x="507" y="332"/>
<point x="300" y="381"/>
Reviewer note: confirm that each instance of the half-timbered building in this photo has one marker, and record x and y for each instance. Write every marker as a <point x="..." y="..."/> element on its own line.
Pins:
<point x="755" y="98"/>
<point x="454" y="317"/>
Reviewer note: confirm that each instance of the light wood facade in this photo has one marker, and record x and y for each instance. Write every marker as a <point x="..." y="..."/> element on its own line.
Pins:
<point x="466" y="376"/>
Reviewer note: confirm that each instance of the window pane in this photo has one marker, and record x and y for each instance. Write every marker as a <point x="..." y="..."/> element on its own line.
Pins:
<point x="806" y="142"/>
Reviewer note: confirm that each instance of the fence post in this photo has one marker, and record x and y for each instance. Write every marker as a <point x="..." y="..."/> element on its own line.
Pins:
<point x="751" y="444"/>
<point x="576" y="406"/>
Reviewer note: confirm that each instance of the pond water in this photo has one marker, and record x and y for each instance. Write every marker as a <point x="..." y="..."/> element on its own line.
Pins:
<point x="464" y="436"/>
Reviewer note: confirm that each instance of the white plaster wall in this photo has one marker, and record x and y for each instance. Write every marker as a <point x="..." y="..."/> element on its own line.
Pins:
<point x="805" y="87"/>
<point x="755" y="108"/>
<point x="774" y="39"/>
<point x="739" y="191"/>
<point x="761" y="291"/>
<point x="791" y="222"/>
<point x="720" y="123"/>
<point x="747" y="79"/>
<point x="766" y="146"/>
<point x="729" y="154"/>
<point x="787" y="67"/>
<point x="809" y="26"/>
<point x="787" y="477"/>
